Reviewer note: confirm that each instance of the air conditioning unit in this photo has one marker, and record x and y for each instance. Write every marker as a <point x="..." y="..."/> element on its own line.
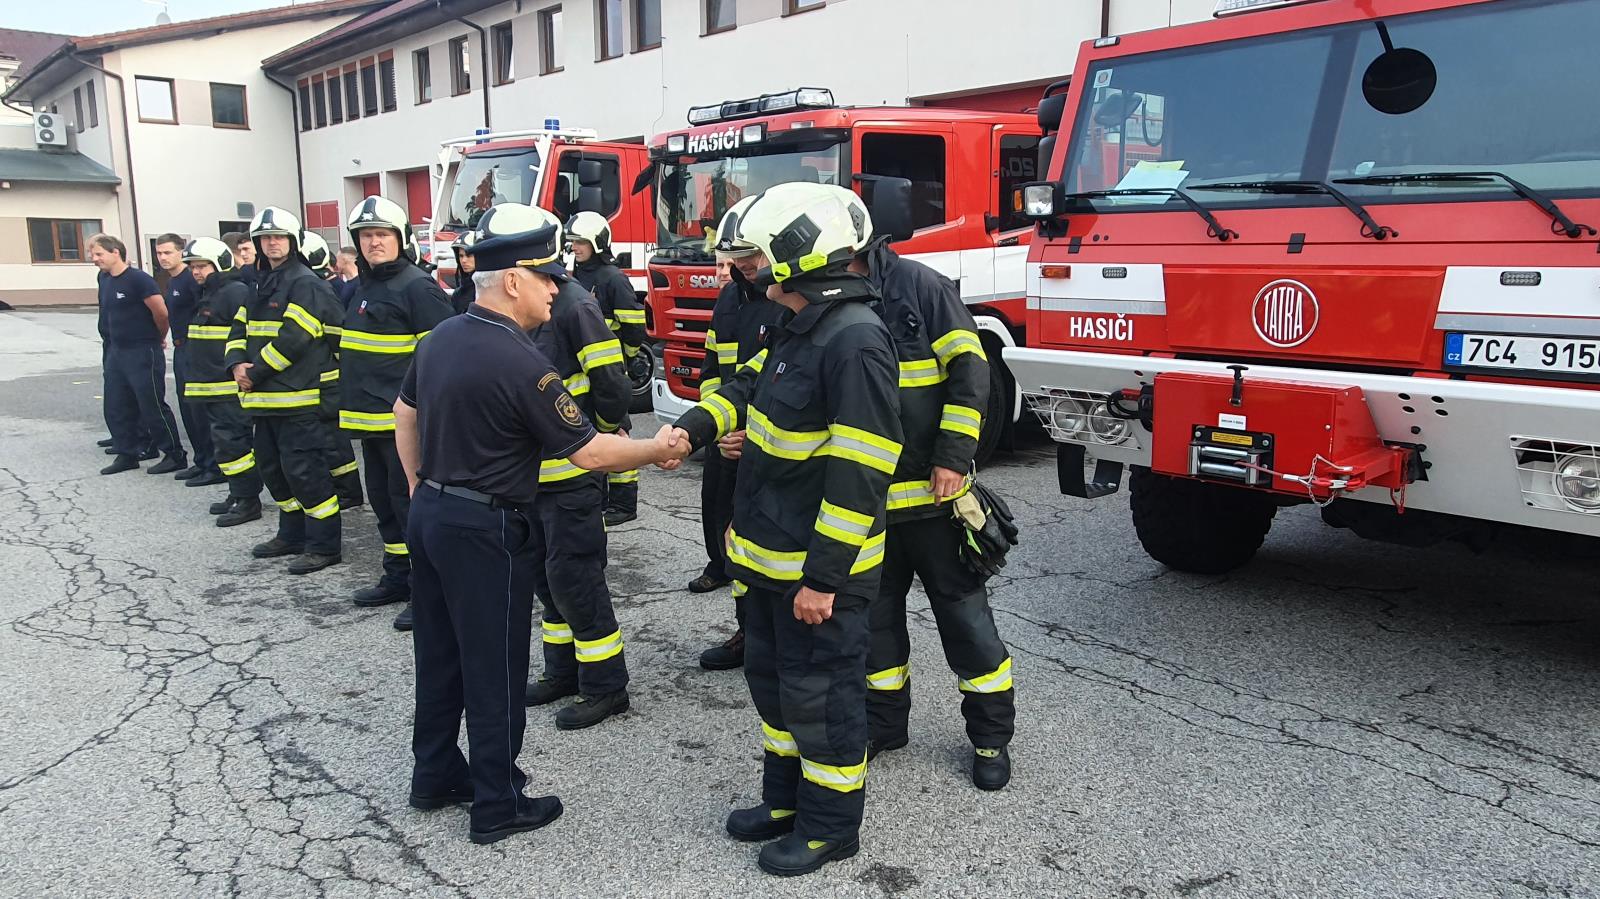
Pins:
<point x="49" y="130"/>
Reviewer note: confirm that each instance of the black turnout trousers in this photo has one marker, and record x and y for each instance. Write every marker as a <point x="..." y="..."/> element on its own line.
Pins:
<point x="472" y="583"/>
<point x="135" y="394"/>
<point x="391" y="502"/>
<point x="293" y="453"/>
<point x="929" y="548"/>
<point x="716" y="508"/>
<point x="234" y="443"/>
<point x="808" y="684"/>
<point x="196" y="422"/>
<point x="580" y="635"/>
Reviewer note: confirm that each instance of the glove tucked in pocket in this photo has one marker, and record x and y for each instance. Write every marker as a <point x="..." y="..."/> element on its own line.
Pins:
<point x="988" y="528"/>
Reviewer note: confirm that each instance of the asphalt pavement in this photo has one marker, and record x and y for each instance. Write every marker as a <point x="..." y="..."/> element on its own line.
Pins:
<point x="1339" y="718"/>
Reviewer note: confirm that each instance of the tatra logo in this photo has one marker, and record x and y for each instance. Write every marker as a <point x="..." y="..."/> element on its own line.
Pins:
<point x="1285" y="313"/>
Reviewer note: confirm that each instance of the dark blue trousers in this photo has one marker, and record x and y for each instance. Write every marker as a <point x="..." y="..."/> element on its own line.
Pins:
<point x="136" y="400"/>
<point x="196" y="423"/>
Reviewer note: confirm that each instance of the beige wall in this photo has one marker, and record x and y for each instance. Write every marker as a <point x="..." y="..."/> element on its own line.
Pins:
<point x="25" y="283"/>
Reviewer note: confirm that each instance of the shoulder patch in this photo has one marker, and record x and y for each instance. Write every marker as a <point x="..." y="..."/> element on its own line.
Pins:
<point x="547" y="379"/>
<point x="568" y="409"/>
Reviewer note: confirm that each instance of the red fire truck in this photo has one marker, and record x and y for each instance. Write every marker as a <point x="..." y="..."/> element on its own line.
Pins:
<point x="1332" y="251"/>
<point x="960" y="168"/>
<point x="563" y="170"/>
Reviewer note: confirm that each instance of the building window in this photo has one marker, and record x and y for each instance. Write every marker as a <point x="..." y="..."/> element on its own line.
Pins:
<point x="608" y="13"/>
<point x="77" y="101"/>
<point x="369" y="87"/>
<point x="423" y="75"/>
<point x="156" y="102"/>
<point x="790" y="7"/>
<point x="386" y="81"/>
<point x="335" y="97"/>
<point x="919" y="158"/>
<point x="352" y="93"/>
<point x="61" y="240"/>
<point x="500" y="40"/>
<point x="646" y="24"/>
<point x="305" y="105"/>
<point x="550" y="41"/>
<point x="319" y="101"/>
<point x="460" y="67"/>
<point x="94" y="106"/>
<point x="228" y="106"/>
<point x="721" y="15"/>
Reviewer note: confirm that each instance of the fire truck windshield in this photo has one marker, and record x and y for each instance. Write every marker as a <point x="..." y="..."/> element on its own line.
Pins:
<point x="1291" y="108"/>
<point x="486" y="178"/>
<point x="692" y="194"/>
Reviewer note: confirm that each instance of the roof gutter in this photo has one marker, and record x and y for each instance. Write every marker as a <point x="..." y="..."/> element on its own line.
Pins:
<point x="294" y="122"/>
<point x="483" y="56"/>
<point x="127" y="149"/>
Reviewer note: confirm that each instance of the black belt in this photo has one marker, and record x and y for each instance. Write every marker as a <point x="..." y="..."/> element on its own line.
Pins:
<point x="493" y="502"/>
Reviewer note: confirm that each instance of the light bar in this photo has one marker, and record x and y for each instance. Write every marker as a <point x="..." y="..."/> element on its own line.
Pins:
<point x="766" y="104"/>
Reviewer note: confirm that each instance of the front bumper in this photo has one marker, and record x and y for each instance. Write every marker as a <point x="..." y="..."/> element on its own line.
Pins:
<point x="668" y="407"/>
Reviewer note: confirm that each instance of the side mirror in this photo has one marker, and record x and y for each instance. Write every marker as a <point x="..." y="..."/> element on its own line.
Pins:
<point x="888" y="199"/>
<point x="1052" y="105"/>
<point x="590" y="172"/>
<point x="645" y="179"/>
<point x="591" y="199"/>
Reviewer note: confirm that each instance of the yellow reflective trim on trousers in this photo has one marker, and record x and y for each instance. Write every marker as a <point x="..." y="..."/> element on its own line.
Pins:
<point x="553" y="470"/>
<point x="369" y="342"/>
<point x="289" y="505"/>
<point x="782" y="442"/>
<point x="623" y="477"/>
<point x="591" y="651"/>
<point x="604" y="352"/>
<point x="343" y="470"/>
<point x="871" y="555"/>
<point x="864" y="447"/>
<point x="262" y="329"/>
<point x="996" y="681"/>
<point x="843" y="778"/>
<point x="710" y="386"/>
<point x="307" y="322"/>
<point x="630" y="316"/>
<point x="209" y="332"/>
<point x="577" y="385"/>
<point x="287" y="399"/>
<point x="396" y="549"/>
<point x="756" y="363"/>
<point x="740" y="588"/>
<point x="557" y="632"/>
<point x="325" y="509"/>
<point x="778" y="565"/>
<point x="210" y="388"/>
<point x="921" y="373"/>
<point x="962" y="420"/>
<point x="779" y="742"/>
<point x="238" y="466"/>
<point x="366" y="421"/>
<point x="894" y="678"/>
<point x="276" y="360"/>
<point x="235" y="345"/>
<point x="956" y="342"/>
<point x="844" y="525"/>
<point x="724" y="413"/>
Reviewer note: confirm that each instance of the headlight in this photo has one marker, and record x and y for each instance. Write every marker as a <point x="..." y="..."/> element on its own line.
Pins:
<point x="677" y="143"/>
<point x="1039" y="199"/>
<point x="1067" y="416"/>
<point x="1104" y="428"/>
<point x="1577" y="479"/>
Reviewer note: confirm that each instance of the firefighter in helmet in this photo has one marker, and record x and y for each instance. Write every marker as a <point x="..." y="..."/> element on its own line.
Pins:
<point x="594" y="267"/>
<point x="821" y="413"/>
<point x="466" y="264"/>
<point x="345" y="470"/>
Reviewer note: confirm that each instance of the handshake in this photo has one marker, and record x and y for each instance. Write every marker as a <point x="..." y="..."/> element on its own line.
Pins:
<point x="671" y="446"/>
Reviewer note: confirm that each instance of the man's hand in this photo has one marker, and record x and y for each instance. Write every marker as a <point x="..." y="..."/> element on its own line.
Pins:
<point x="813" y="607"/>
<point x="672" y="446"/>
<point x="732" y="445"/>
<point x="946" y="483"/>
<point x="241" y="376"/>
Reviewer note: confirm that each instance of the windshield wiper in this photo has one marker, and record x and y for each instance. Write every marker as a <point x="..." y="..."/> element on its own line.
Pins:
<point x="1559" y="224"/>
<point x="1213" y="227"/>
<point x="1369" y="227"/>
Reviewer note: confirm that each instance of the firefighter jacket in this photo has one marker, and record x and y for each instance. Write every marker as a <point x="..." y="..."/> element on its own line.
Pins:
<point x="944" y="376"/>
<point x="623" y="312"/>
<point x="220" y="298"/>
<point x="741" y="322"/>
<point x="821" y="414"/>
<point x="283" y="333"/>
<point x="588" y="358"/>
<point x="393" y="308"/>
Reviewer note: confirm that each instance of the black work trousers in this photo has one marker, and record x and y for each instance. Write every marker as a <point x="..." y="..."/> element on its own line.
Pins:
<point x="391" y="501"/>
<point x="293" y="453"/>
<point x="136" y="407"/>
<point x="581" y="639"/>
<point x="716" y="508"/>
<point x="622" y="491"/>
<point x="231" y="435"/>
<point x="808" y="684"/>
<point x="343" y="468"/>
<point x="472" y="576"/>
<point x="930" y="549"/>
<point x="195" y="423"/>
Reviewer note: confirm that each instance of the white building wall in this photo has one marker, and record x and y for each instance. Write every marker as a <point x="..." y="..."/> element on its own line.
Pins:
<point x="24" y="282"/>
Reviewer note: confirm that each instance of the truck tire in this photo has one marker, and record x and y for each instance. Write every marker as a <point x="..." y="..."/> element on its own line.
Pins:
<point x="1193" y="526"/>
<point x="642" y="381"/>
<point x="997" y="416"/>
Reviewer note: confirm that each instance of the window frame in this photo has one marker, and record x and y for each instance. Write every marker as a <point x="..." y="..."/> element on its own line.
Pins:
<point x="84" y="233"/>
<point x="504" y="67"/>
<point x="388" y="88"/>
<point x="602" y="32"/>
<point x="172" y="97"/>
<point x="244" y="106"/>
<point x="460" y="51"/>
<point x="636" y="13"/>
<point x="302" y="95"/>
<point x="422" y="76"/>
<point x="334" y="79"/>
<point x="369" y="98"/>
<point x="793" y="7"/>
<point x="352" y="92"/>
<point x="319" y="101"/>
<point x="77" y="102"/>
<point x="708" y="26"/>
<point x="94" y="104"/>
<point x="945" y="139"/>
<point x="549" y="41"/>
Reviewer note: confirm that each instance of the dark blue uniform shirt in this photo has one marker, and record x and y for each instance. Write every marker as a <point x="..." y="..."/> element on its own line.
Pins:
<point x="128" y="320"/>
<point x="183" y="297"/>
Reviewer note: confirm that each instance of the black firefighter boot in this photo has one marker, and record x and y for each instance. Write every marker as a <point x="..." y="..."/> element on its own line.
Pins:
<point x="587" y="711"/>
<point x="225" y="504"/>
<point x="310" y="562"/>
<point x="381" y="594"/>
<point x="171" y="463"/>
<point x="544" y="691"/>
<point x="795" y="855"/>
<point x="241" y="511"/>
<point x="754" y="825"/>
<point x="991" y="768"/>
<point x="726" y="655"/>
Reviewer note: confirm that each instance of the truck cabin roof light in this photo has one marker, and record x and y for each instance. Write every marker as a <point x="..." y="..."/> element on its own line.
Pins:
<point x="766" y="104"/>
<point x="1108" y="41"/>
<point x="753" y="134"/>
<point x="677" y="143"/>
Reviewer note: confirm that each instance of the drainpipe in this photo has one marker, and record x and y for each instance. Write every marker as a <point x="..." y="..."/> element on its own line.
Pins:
<point x="294" y="121"/>
<point x="483" y="55"/>
<point x="127" y="149"/>
<point x="1105" y="18"/>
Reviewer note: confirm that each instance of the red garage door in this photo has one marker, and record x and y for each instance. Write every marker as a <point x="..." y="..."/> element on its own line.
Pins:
<point x="419" y="196"/>
<point x="369" y="186"/>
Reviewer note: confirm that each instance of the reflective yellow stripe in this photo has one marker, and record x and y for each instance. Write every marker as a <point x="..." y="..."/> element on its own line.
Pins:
<point x="263" y="329"/>
<point x="209" y="332"/>
<point x="630" y="316"/>
<point x="996" y="681"/>
<point x="273" y="358"/>
<point x="710" y="386"/>
<point x="553" y="470"/>
<point x="779" y="742"/>
<point x="722" y="412"/>
<point x="962" y="420"/>
<point x="288" y="505"/>
<point x="756" y="362"/>
<point x="740" y="588"/>
<point x="308" y="322"/>
<point x="238" y="466"/>
<point x="890" y="678"/>
<point x="422" y="334"/>
<point x="921" y="373"/>
<point x="577" y="385"/>
<point x="368" y="342"/>
<point x="871" y="555"/>
<point x="864" y="447"/>
<point x="956" y="342"/>
<point x="366" y="421"/>
<point x="325" y="509"/>
<point x="844" y="525"/>
<point x="711" y="340"/>
<point x="239" y="315"/>
<point x="396" y="549"/>
<point x="330" y="376"/>
<point x="780" y="566"/>
<point x="234" y="345"/>
<point x="343" y="469"/>
<point x="781" y="442"/>
<point x="591" y="651"/>
<point x="557" y="632"/>
<point x="727" y="354"/>
<point x="286" y="399"/>
<point x="332" y="330"/>
<point x="843" y="778"/>
<point x="604" y="352"/>
<point x="623" y="477"/>
<point x="210" y="388"/>
<point x="910" y="494"/>
<point x="613" y="324"/>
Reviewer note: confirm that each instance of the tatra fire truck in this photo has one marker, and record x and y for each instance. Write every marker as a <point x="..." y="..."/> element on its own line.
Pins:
<point x="959" y="169"/>
<point x="563" y="170"/>
<point x="1339" y="252"/>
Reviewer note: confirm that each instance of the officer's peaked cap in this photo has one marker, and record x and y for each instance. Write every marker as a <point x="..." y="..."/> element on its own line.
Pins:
<point x="513" y="235"/>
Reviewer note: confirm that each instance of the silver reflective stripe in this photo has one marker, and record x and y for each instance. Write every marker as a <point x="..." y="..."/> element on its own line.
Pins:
<point x="844" y="524"/>
<point x="600" y="650"/>
<point x="759" y="430"/>
<point x="889" y="679"/>
<point x="831" y="774"/>
<point x="888" y="457"/>
<point x="601" y="357"/>
<point x="756" y="560"/>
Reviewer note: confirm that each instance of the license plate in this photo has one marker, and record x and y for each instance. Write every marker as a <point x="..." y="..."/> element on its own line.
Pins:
<point x="683" y="371"/>
<point x="1521" y="352"/>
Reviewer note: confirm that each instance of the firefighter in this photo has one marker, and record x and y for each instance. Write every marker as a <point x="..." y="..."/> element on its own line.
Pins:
<point x="740" y="323"/>
<point x="583" y="649"/>
<point x="221" y="296"/>
<point x="345" y="471"/>
<point x="395" y="305"/>
<point x="596" y="269"/>
<point x="470" y="437"/>
<point x="944" y="388"/>
<point x="279" y="354"/>
<point x="823" y="436"/>
<point x="466" y="264"/>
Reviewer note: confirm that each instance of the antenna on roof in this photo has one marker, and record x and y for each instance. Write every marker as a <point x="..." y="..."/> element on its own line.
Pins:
<point x="162" y="17"/>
